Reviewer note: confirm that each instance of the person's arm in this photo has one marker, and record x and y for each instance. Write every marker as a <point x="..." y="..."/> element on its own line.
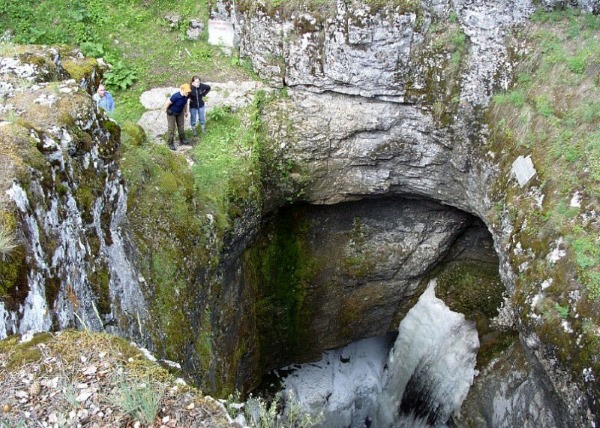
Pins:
<point x="111" y="103"/>
<point x="187" y="107"/>
<point x="206" y="90"/>
<point x="167" y="104"/>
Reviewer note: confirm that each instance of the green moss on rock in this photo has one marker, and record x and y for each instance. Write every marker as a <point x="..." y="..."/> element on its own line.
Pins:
<point x="99" y="281"/>
<point x="441" y="56"/>
<point x="281" y="269"/>
<point x="13" y="278"/>
<point x="21" y="354"/>
<point x="80" y="69"/>
<point x="471" y="287"/>
<point x="548" y="114"/>
<point x="493" y="345"/>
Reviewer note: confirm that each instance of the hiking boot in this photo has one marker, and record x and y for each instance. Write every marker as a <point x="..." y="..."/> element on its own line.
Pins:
<point x="203" y="129"/>
<point x="183" y="141"/>
<point x="194" y="132"/>
<point x="172" y="146"/>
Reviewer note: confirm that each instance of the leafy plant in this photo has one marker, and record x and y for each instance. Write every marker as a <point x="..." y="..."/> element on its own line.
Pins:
<point x="92" y="49"/>
<point x="587" y="252"/>
<point x="120" y="76"/>
<point x="217" y="114"/>
<point x="563" y="311"/>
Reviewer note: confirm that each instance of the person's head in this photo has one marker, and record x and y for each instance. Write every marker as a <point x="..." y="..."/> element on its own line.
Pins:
<point x="196" y="81"/>
<point x="101" y="91"/>
<point x="185" y="89"/>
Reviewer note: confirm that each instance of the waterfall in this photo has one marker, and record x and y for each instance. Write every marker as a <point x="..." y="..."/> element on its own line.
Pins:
<point x="422" y="382"/>
<point x="343" y="386"/>
<point x="431" y="366"/>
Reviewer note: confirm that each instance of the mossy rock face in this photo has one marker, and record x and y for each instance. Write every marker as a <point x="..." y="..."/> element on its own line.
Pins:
<point x="46" y="61"/>
<point x="57" y="63"/>
<point x="475" y="289"/>
<point x="13" y="278"/>
<point x="173" y="252"/>
<point x="549" y="115"/>
<point x="81" y="70"/>
<point x="321" y="277"/>
<point x="323" y="9"/>
<point x="59" y="157"/>
<point x="278" y="267"/>
<point x="494" y="345"/>
<point x="440" y="57"/>
<point x="471" y="287"/>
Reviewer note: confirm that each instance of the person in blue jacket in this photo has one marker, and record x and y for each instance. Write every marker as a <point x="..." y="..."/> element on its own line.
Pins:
<point x="177" y="108"/>
<point x="104" y="99"/>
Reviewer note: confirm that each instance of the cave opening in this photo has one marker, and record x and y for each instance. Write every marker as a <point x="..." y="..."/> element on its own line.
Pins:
<point x="336" y="280"/>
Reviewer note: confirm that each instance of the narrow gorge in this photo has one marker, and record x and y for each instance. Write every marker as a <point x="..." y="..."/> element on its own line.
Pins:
<point x="403" y="237"/>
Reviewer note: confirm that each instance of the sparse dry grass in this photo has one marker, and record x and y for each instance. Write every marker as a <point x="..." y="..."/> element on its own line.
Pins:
<point x="7" y="241"/>
<point x="73" y="378"/>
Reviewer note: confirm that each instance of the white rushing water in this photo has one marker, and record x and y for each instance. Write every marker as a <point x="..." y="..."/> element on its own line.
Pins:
<point x="343" y="385"/>
<point x="425" y="378"/>
<point x="431" y="367"/>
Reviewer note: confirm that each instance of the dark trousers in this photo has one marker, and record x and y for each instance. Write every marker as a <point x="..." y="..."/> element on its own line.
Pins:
<point x="171" y="121"/>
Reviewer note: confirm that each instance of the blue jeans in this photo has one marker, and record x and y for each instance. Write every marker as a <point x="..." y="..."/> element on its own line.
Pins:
<point x="197" y="114"/>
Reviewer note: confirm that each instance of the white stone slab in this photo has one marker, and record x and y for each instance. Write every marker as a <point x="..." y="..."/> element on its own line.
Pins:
<point x="234" y="95"/>
<point x="220" y="33"/>
<point x="523" y="170"/>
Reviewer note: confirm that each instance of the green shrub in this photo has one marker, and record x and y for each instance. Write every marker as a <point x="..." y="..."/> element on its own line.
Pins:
<point x="577" y="64"/>
<point x="587" y="252"/>
<point x="9" y="424"/>
<point x="515" y="97"/>
<point x="95" y="50"/>
<point x="120" y="76"/>
<point x="543" y="106"/>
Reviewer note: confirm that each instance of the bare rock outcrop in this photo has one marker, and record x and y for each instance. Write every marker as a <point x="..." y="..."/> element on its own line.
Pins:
<point x="384" y="103"/>
<point x="62" y="185"/>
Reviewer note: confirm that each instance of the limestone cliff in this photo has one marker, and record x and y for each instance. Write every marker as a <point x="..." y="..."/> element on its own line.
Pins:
<point x="392" y="101"/>
<point x="384" y="149"/>
<point x="61" y="184"/>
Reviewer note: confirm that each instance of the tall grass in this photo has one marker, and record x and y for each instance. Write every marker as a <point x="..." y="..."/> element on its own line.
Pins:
<point x="226" y="170"/>
<point x="223" y="155"/>
<point x="7" y="241"/>
<point x="283" y="411"/>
